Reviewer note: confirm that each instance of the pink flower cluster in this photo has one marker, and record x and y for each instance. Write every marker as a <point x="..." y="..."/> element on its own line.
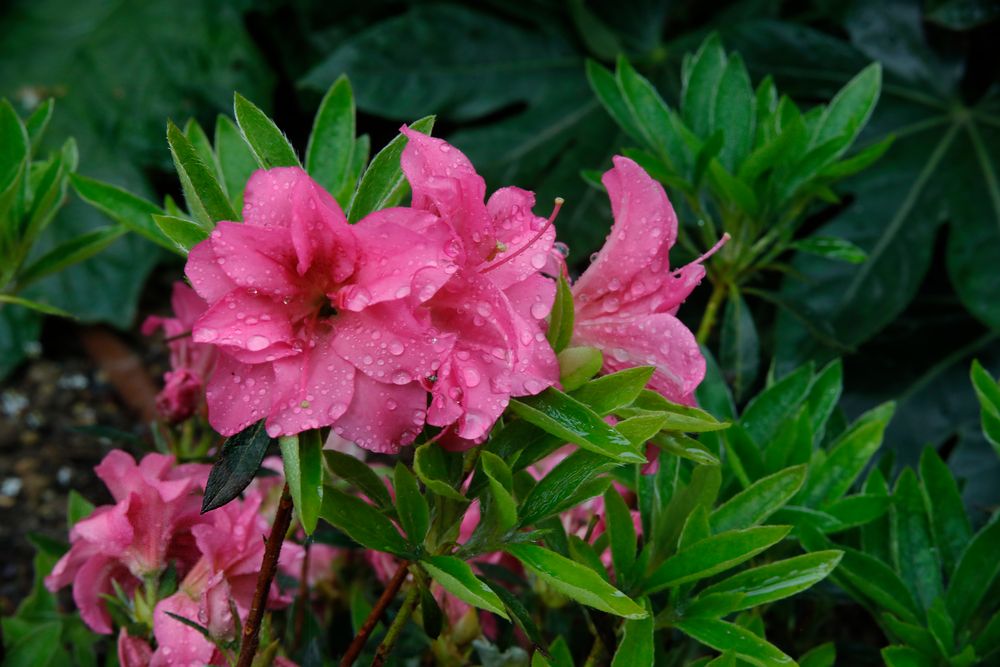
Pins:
<point x="155" y="523"/>
<point x="430" y="314"/>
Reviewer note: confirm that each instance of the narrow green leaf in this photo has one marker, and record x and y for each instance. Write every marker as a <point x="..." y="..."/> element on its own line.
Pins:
<point x="265" y="139"/>
<point x="363" y="523"/>
<point x="733" y="112"/>
<point x="38" y="122"/>
<point x="682" y="446"/>
<point x="430" y="611"/>
<point x="728" y="637"/>
<point x="636" y="647"/>
<point x="760" y="500"/>
<point x="621" y="533"/>
<point x="383" y="184"/>
<point x="184" y="234"/>
<point x="519" y="614"/>
<point x="43" y="308"/>
<point x="331" y="142"/>
<point x="824" y="655"/>
<point x="575" y="581"/>
<point x="769" y="409"/>
<point x="560" y="486"/>
<point x="360" y="475"/>
<point x="302" y="456"/>
<point x="411" y="506"/>
<point x="501" y="482"/>
<point x="824" y="393"/>
<point x="456" y="577"/>
<point x="942" y="627"/>
<point x="778" y="580"/>
<point x="608" y="393"/>
<point x="202" y="191"/>
<point x="569" y="419"/>
<point x="850" y="109"/>
<point x="988" y="393"/>
<point x="431" y="467"/>
<point x="133" y="213"/>
<point x="713" y="555"/>
<point x="680" y="418"/>
<point x="561" y="319"/>
<point x="943" y="503"/>
<point x="238" y="462"/>
<point x="740" y="345"/>
<point x="831" y="247"/>
<point x="652" y="118"/>
<point x="236" y="160"/>
<point x="977" y="568"/>
<point x="700" y="85"/>
<point x="71" y="252"/>
<point x="605" y="86"/>
<point x="577" y="365"/>
<point x="77" y="507"/>
<point x="904" y="656"/>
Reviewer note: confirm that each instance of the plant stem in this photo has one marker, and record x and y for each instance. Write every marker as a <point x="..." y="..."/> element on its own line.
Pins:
<point x="251" y="629"/>
<point x="597" y="653"/>
<point x="396" y="629"/>
<point x="711" y="312"/>
<point x="359" y="641"/>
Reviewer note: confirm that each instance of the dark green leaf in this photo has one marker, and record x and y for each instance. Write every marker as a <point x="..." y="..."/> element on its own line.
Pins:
<point x="71" y="252"/>
<point x="302" y="456"/>
<point x="560" y="486"/>
<point x="77" y="507"/>
<point x="238" y="462"/>
<point x="204" y="195"/>
<point x="456" y="577"/>
<point x="723" y="636"/>
<point x="760" y="500"/>
<point x="431" y="466"/>
<point x="621" y="533"/>
<point x="770" y="408"/>
<point x="988" y="393"/>
<point x="608" y="393"/>
<point x="977" y="568"/>
<point x="411" y="506"/>
<point x="133" y="213"/>
<point x="943" y="504"/>
<point x="778" y="580"/>
<point x="560" y="329"/>
<point x="235" y="158"/>
<point x="265" y="139"/>
<point x="183" y="233"/>
<point x="363" y="523"/>
<point x="740" y="346"/>
<point x="331" y="142"/>
<point x="501" y="483"/>
<point x="43" y="308"/>
<point x="636" y="646"/>
<point x="360" y="475"/>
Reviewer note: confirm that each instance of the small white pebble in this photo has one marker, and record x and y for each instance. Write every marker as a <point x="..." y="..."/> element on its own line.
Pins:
<point x="11" y="486"/>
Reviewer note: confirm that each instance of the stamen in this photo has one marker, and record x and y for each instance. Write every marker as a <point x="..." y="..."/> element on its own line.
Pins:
<point x="559" y="201"/>
<point x="711" y="251"/>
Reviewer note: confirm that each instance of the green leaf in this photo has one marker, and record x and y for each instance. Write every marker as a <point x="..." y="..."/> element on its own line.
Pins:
<point x="760" y="500"/>
<point x="945" y="509"/>
<point x="733" y="112"/>
<point x="742" y="455"/>
<point x="608" y="393"/>
<point x="363" y="523"/>
<point x="302" y="456"/>
<point x="238" y="462"/>
<point x="605" y="86"/>
<point x="360" y="475"/>
<point x="133" y="213"/>
<point x="266" y="141"/>
<point x="71" y="252"/>
<point x="575" y="581"/>
<point x="824" y="393"/>
<point x="636" y="646"/>
<point x="977" y="568"/>
<point x="236" y="160"/>
<point x="739" y="345"/>
<point x="824" y="655"/>
<point x="501" y="482"/>
<point x="331" y="142"/>
<point x="77" y="507"/>
<point x="183" y="233"/>
<point x="383" y="184"/>
<point x="904" y="656"/>
<point x="850" y="110"/>
<point x="39" y="648"/>
<point x="654" y="120"/>
<point x="202" y="191"/>
<point x="728" y="637"/>
<point x="14" y="155"/>
<point x="431" y="467"/>
<point x="942" y="627"/>
<point x="621" y="533"/>
<point x="766" y="412"/>
<point x="831" y="248"/>
<point x="456" y="577"/>
<point x="411" y="506"/>
<point x="38" y="122"/>
<point x="560" y="329"/>
<point x="567" y="418"/>
<point x="519" y="614"/>
<point x="677" y="417"/>
<point x="559" y="489"/>
<point x="43" y="308"/>
<point x="848" y="457"/>
<point x="682" y="446"/>
<point x="577" y="365"/>
<point x="701" y="84"/>
<point x="988" y="393"/>
<point x="712" y="555"/>
<point x="778" y="580"/>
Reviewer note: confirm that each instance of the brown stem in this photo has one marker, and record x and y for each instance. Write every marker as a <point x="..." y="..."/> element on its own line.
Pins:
<point x="388" y="595"/>
<point x="396" y="629"/>
<point x="251" y="629"/>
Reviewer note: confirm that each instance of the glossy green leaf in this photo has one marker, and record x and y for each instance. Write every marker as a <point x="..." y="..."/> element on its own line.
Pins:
<point x="849" y="111"/>
<point x="567" y="418"/>
<point x="728" y="637"/>
<point x="363" y="523"/>
<point x="183" y="233"/>
<point x="769" y="409"/>
<point x="38" y="122"/>
<point x="677" y="417"/>
<point x="605" y="86"/>
<point x="238" y="462"/>
<point x="577" y="365"/>
<point x="202" y="191"/>
<point x="561" y="320"/>
<point x="701" y="84"/>
<point x="431" y="466"/>
<point x="778" y="580"/>
<point x="576" y="581"/>
<point x="682" y="446"/>
<point x="712" y="555"/>
<point x="733" y="112"/>
<point x="331" y="142"/>
<point x="411" y="506"/>
<point x="303" y="463"/>
<point x="621" y="532"/>
<point x="824" y="393"/>
<point x="560" y="486"/>
<point x="133" y="213"/>
<point x="975" y="572"/>
<point x="383" y="185"/>
<point x="636" y="646"/>
<point x="501" y="483"/>
<point x="904" y="656"/>
<point x="858" y="509"/>
<point x="756" y="503"/>
<point x="77" y="507"/>
<point x="945" y="509"/>
<point x="824" y="655"/>
<point x="831" y="248"/>
<point x="236" y="159"/>
<point x="359" y="475"/>
<point x="608" y="393"/>
<point x="14" y="155"/>
<point x="988" y="393"/>
<point x="266" y="141"/>
<point x="456" y="577"/>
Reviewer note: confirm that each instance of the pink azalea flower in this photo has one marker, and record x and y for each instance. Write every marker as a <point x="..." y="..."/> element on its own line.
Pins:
<point x="314" y="318"/>
<point x="627" y="300"/>
<point x="495" y="305"/>
<point x="156" y="505"/>
<point x="133" y="651"/>
<point x="190" y="362"/>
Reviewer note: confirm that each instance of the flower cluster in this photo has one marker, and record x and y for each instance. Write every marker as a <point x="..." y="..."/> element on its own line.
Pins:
<point x="431" y="314"/>
<point x="153" y="525"/>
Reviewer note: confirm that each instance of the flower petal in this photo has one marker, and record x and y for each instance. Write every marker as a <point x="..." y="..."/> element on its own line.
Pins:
<point x="238" y="394"/>
<point x="206" y="274"/>
<point x="659" y="340"/>
<point x="178" y="643"/>
<point x="526" y="238"/>
<point x="383" y="417"/>
<point x="267" y="200"/>
<point x="252" y="328"/>
<point x="320" y="233"/>
<point x="257" y="257"/>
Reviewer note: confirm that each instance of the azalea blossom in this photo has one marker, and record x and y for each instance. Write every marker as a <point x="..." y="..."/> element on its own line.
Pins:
<point x="191" y="363"/>
<point x="626" y="301"/>
<point x="149" y="526"/>
<point x="494" y="306"/>
<point x="314" y="319"/>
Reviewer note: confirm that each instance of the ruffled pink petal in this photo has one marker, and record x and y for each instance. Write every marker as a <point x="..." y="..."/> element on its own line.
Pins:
<point x="322" y="238"/>
<point x="186" y="304"/>
<point x="214" y="611"/>
<point x="476" y="385"/>
<point x="133" y="651"/>
<point x="636" y="250"/>
<point x="252" y="328"/>
<point x="109" y="529"/>
<point x="178" y="643"/>
<point x="659" y="340"/>
<point x="267" y="198"/>
<point x="389" y="343"/>
<point x="445" y="182"/>
<point x="398" y="244"/>
<point x="383" y="417"/>
<point x="313" y="388"/>
<point x="537" y="366"/>
<point x="238" y="394"/>
<point x="206" y="274"/>
<point x="526" y="238"/>
<point x="92" y="581"/>
<point x="257" y="258"/>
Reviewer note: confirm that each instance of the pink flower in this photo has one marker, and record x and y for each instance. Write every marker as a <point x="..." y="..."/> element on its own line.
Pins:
<point x="626" y="301"/>
<point x="190" y="362"/>
<point x="495" y="304"/>
<point x="156" y="504"/>
<point x="314" y="318"/>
